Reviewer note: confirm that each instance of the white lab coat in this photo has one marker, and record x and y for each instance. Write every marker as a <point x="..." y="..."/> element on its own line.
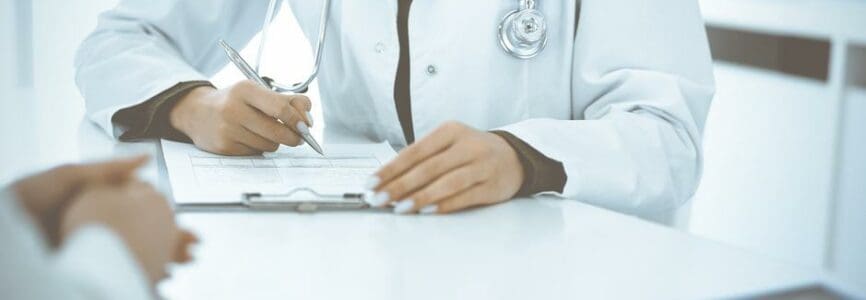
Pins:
<point x="93" y="263"/>
<point x="621" y="102"/>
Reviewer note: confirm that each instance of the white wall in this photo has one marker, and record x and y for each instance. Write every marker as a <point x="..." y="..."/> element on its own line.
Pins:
<point x="54" y="50"/>
<point x="847" y="255"/>
<point x="776" y="180"/>
<point x="768" y="160"/>
<point x="8" y="39"/>
<point x="16" y="105"/>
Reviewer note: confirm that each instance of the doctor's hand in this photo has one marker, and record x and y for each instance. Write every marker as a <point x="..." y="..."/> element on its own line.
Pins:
<point x="453" y="168"/>
<point x="139" y="215"/>
<point x="241" y="119"/>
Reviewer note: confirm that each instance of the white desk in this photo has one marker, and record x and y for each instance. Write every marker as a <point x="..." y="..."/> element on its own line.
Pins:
<point x="525" y="249"/>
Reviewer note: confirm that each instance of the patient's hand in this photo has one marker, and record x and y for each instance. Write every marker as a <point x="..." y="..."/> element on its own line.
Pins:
<point x="137" y="213"/>
<point x="241" y="119"/>
<point x="43" y="195"/>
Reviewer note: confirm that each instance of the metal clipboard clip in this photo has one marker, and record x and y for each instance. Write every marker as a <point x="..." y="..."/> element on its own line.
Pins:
<point x="304" y="199"/>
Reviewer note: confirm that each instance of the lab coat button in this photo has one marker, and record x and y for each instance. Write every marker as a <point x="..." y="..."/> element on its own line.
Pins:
<point x="431" y="70"/>
<point x="380" y="47"/>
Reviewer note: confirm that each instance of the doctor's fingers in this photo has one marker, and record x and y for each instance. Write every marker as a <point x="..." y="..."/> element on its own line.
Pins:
<point x="290" y="109"/>
<point x="426" y="172"/>
<point x="226" y="145"/>
<point x="303" y="105"/>
<point x="438" y="140"/>
<point x="268" y="128"/>
<point x="449" y="185"/>
<point x="237" y="148"/>
<point x="251" y="139"/>
<point x="476" y="195"/>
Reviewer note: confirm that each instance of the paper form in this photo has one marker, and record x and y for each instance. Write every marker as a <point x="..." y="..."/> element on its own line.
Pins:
<point x="201" y="177"/>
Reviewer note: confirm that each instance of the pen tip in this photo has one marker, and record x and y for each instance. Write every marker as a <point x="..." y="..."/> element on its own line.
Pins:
<point x="317" y="148"/>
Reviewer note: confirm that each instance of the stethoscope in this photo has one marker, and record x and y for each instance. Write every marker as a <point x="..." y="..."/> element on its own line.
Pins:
<point x="522" y="34"/>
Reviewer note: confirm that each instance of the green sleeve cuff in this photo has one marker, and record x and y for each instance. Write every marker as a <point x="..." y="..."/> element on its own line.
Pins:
<point x="540" y="173"/>
<point x="150" y="119"/>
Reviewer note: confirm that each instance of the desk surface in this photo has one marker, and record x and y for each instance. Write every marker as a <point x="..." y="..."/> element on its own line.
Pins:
<point x="524" y="249"/>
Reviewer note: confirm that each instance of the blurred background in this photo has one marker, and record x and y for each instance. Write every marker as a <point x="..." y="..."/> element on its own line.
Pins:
<point x="785" y="142"/>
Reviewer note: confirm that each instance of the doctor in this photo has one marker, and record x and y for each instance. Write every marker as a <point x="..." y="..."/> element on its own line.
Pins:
<point x="606" y="104"/>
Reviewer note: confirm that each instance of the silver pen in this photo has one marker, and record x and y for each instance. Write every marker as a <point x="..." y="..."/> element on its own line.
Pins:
<point x="251" y="74"/>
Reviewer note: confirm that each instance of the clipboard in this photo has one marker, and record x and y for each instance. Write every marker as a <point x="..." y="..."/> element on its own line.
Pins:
<point x="302" y="199"/>
<point x="289" y="179"/>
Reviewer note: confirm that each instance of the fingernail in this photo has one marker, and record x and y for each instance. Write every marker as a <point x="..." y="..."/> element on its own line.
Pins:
<point x="368" y="197"/>
<point x="377" y="199"/>
<point x="429" y="209"/>
<point x="310" y="118"/>
<point x="302" y="128"/>
<point x="404" y="206"/>
<point x="372" y="182"/>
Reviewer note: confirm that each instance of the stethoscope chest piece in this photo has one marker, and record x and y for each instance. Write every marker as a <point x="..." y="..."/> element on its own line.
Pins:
<point x="523" y="32"/>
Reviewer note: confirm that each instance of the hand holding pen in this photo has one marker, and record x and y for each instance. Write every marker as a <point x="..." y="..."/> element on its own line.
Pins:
<point x="244" y="119"/>
<point x="254" y="76"/>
